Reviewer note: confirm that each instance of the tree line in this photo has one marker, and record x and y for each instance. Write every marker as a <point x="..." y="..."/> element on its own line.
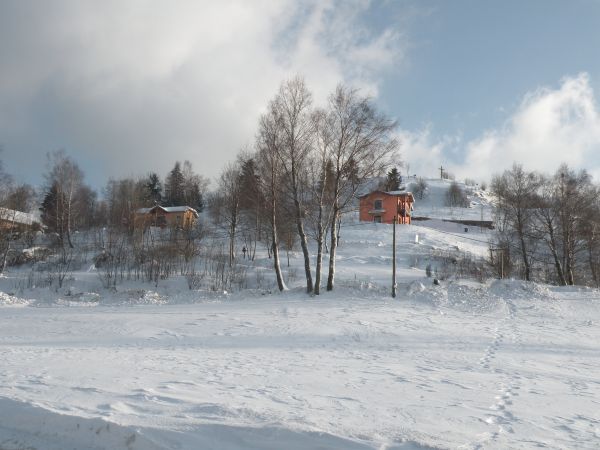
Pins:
<point x="548" y="225"/>
<point x="289" y="188"/>
<point x="68" y="203"/>
<point x="289" y="191"/>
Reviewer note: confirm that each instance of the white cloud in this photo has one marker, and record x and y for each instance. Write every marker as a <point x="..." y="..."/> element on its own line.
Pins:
<point x="549" y="127"/>
<point x="424" y="153"/>
<point x="128" y="87"/>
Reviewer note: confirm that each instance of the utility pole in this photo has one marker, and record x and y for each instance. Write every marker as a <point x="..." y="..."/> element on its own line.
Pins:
<point x="441" y="172"/>
<point x="394" y="259"/>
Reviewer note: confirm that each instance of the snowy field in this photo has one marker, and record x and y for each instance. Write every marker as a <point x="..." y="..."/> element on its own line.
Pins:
<point x="466" y="365"/>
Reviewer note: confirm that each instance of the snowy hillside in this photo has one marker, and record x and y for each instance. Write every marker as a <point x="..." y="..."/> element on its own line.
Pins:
<point x="463" y="364"/>
<point x="433" y="204"/>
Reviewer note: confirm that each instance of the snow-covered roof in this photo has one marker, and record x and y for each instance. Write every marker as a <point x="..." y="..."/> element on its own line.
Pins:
<point x="393" y="193"/>
<point x="402" y="192"/>
<point x="19" y="217"/>
<point x="178" y="209"/>
<point x="168" y="209"/>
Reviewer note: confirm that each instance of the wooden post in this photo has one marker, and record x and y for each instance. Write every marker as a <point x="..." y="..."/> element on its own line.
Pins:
<point x="394" y="259"/>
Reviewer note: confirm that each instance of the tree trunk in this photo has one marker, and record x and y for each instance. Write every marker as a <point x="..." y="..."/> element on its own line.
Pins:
<point x="319" y="265"/>
<point x="276" y="264"/>
<point x="558" y="266"/>
<point x="525" y="259"/>
<point x="320" y="239"/>
<point x="553" y="249"/>
<point x="69" y="213"/>
<point x="301" y="232"/>
<point x="570" y="259"/>
<point x="332" y="250"/>
<point x="5" y="255"/>
<point x="304" y="245"/>
<point x="521" y="234"/>
<point x="275" y="247"/>
<point x="593" y="266"/>
<point x="231" y="244"/>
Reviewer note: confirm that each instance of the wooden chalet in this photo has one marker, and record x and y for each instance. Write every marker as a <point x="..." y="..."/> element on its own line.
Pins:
<point x="381" y="207"/>
<point x="182" y="217"/>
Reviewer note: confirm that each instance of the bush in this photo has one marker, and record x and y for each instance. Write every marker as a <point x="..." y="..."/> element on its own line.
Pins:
<point x="456" y="197"/>
<point x="420" y="189"/>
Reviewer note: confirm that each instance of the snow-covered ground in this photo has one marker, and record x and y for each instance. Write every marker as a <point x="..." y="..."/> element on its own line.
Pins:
<point x="503" y="364"/>
<point x="433" y="203"/>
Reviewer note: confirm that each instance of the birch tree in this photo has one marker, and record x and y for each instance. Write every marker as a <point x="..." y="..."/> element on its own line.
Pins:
<point x="269" y="141"/>
<point x="291" y="111"/>
<point x="64" y="177"/>
<point x="362" y="143"/>
<point x="321" y="177"/>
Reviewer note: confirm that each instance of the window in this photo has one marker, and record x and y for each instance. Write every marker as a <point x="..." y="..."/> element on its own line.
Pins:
<point x="378" y="204"/>
<point x="377" y="219"/>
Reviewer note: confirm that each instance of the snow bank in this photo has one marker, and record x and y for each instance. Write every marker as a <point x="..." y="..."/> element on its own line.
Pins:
<point x="454" y="295"/>
<point x="25" y="426"/>
<point x="11" y="300"/>
<point x="517" y="289"/>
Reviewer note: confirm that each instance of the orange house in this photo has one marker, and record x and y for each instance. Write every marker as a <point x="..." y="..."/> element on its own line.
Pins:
<point x="381" y="207"/>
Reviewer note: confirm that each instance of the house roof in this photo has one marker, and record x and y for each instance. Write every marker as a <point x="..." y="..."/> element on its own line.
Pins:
<point x="168" y="209"/>
<point x="17" y="216"/>
<point x="391" y="193"/>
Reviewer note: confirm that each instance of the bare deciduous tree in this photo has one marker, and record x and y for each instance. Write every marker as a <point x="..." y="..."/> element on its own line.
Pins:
<point x="268" y="142"/>
<point x="420" y="189"/>
<point x="64" y="177"/>
<point x="225" y="204"/>
<point x="516" y="191"/>
<point x="321" y="182"/>
<point x="456" y="196"/>
<point x="291" y="110"/>
<point x="362" y="142"/>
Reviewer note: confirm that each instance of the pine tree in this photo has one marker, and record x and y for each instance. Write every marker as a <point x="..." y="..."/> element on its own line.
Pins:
<point x="392" y="182"/>
<point x="174" y="187"/>
<point x="153" y="189"/>
<point x="194" y="197"/>
<point x="52" y="211"/>
<point x="249" y="180"/>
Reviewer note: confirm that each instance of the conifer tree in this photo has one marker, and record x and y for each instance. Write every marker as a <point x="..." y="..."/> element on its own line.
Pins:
<point x="393" y="180"/>
<point x="153" y="189"/>
<point x="174" y="187"/>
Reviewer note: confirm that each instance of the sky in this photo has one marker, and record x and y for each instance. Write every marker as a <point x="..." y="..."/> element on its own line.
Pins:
<point x="126" y="88"/>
